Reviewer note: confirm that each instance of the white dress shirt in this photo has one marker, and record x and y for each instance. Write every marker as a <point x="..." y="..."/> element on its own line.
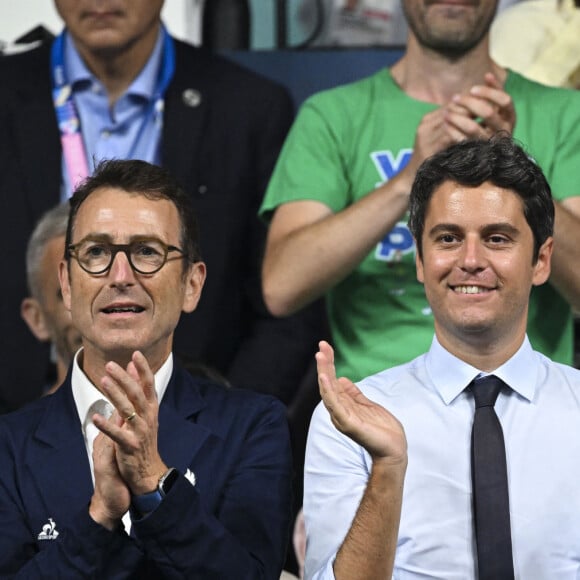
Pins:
<point x="540" y="417"/>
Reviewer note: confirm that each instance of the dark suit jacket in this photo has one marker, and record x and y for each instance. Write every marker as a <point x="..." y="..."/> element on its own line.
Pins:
<point x="222" y="150"/>
<point x="232" y="524"/>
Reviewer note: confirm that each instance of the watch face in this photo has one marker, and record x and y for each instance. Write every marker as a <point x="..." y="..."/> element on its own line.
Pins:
<point x="167" y="480"/>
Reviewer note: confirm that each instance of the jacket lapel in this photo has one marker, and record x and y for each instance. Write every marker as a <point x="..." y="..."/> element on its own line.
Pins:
<point x="180" y="437"/>
<point x="57" y="458"/>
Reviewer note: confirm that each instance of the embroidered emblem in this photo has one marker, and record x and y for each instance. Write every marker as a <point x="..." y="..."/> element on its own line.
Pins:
<point x="49" y="531"/>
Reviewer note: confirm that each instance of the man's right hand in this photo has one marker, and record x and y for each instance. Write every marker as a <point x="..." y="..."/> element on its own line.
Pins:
<point x="111" y="498"/>
<point x="365" y="422"/>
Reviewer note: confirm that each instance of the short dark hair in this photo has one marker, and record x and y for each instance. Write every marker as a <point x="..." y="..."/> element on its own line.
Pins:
<point x="499" y="160"/>
<point x="141" y="178"/>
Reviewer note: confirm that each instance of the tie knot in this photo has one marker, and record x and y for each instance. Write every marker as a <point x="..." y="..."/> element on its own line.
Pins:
<point x="486" y="390"/>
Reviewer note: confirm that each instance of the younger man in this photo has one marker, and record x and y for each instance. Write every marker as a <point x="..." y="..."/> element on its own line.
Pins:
<point x="482" y="217"/>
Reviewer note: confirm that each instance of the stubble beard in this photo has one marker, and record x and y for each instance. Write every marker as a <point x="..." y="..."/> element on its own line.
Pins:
<point x="452" y="35"/>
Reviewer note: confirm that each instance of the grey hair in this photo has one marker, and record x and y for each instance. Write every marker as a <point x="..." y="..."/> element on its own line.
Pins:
<point x="51" y="225"/>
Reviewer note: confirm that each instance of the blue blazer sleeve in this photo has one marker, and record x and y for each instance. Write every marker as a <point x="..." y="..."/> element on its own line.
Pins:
<point x="246" y="535"/>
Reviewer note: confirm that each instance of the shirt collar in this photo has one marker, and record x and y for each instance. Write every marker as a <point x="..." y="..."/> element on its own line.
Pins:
<point x="451" y="375"/>
<point x="143" y="85"/>
<point x="85" y="393"/>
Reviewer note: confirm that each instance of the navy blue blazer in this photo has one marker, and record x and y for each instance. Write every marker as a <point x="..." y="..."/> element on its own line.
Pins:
<point x="222" y="149"/>
<point x="233" y="523"/>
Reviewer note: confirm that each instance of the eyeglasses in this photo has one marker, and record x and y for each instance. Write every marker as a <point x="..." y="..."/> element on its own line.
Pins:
<point x="146" y="256"/>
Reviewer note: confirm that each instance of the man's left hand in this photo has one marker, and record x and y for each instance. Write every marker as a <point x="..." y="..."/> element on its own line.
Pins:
<point x="485" y="110"/>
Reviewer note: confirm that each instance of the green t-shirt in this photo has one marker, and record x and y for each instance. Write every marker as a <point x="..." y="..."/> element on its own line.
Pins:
<point x="347" y="141"/>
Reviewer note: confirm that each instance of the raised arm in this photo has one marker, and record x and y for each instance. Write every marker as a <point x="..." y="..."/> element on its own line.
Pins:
<point x="368" y="549"/>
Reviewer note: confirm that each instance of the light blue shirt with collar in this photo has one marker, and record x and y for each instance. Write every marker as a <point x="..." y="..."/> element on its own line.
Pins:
<point x="540" y="417"/>
<point x="131" y="128"/>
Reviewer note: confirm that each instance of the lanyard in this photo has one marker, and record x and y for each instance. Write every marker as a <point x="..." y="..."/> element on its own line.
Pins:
<point x="74" y="151"/>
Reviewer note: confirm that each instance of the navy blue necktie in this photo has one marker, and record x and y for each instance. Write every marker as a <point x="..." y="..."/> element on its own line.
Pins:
<point x="490" y="485"/>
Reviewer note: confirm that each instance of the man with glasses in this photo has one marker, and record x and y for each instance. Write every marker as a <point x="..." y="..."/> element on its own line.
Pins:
<point x="115" y="83"/>
<point x="189" y="479"/>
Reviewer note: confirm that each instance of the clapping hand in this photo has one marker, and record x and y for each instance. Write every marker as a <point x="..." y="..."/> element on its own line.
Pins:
<point x="365" y="422"/>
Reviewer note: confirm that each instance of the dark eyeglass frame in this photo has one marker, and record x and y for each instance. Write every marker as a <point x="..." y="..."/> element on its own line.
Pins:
<point x="126" y="249"/>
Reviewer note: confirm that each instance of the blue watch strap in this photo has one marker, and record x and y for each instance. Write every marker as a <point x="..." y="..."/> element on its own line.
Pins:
<point x="146" y="502"/>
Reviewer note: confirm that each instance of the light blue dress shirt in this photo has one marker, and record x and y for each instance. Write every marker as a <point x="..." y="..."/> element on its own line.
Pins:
<point x="540" y="417"/>
<point x="127" y="130"/>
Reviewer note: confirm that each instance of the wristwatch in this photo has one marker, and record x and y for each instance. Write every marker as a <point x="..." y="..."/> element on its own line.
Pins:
<point x="145" y="503"/>
<point x="167" y="480"/>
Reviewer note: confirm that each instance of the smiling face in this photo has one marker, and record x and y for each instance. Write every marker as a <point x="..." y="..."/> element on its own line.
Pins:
<point x="451" y="27"/>
<point x="120" y="311"/>
<point x="110" y="26"/>
<point x="477" y="265"/>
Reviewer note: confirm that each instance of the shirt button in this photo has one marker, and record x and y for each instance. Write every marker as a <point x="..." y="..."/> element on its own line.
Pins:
<point x="105" y="134"/>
